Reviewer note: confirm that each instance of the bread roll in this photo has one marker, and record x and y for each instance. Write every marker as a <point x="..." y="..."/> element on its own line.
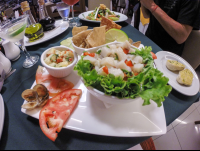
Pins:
<point x="174" y="65"/>
<point x="185" y="77"/>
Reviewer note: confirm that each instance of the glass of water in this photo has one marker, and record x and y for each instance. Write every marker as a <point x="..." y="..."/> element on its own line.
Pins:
<point x="63" y="10"/>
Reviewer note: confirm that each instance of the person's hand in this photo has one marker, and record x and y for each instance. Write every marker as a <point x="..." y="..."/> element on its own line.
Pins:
<point x="148" y="4"/>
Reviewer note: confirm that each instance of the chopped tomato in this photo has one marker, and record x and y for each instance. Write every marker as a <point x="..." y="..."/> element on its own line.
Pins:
<point x="89" y="54"/>
<point x="92" y="54"/>
<point x="135" y="73"/>
<point x="86" y="53"/>
<point x="129" y="63"/>
<point x="70" y="59"/>
<point x="57" y="111"/>
<point x="48" y="55"/>
<point x="105" y="69"/>
<point x="126" y="51"/>
<point x="58" y="60"/>
<point x="99" y="15"/>
<point x="153" y="55"/>
<point x="54" y="85"/>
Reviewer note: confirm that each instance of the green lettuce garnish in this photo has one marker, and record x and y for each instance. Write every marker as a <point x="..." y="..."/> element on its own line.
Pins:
<point x="150" y="84"/>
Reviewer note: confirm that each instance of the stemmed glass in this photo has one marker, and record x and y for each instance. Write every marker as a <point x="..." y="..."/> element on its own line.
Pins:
<point x="14" y="31"/>
<point x="73" y="22"/>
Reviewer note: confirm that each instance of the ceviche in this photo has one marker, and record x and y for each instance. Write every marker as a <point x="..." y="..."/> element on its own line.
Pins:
<point x="102" y="10"/>
<point x="56" y="58"/>
<point x="124" y="71"/>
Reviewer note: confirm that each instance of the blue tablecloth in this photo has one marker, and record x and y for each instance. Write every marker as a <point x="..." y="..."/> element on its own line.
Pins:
<point x="23" y="132"/>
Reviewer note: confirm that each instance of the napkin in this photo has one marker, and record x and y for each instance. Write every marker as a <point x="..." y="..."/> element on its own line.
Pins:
<point x="3" y="75"/>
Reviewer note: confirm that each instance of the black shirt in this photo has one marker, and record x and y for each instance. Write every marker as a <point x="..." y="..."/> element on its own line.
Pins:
<point x="182" y="11"/>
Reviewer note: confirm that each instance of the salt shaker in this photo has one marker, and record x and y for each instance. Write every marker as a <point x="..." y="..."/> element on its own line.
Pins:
<point x="12" y="51"/>
<point x="5" y="63"/>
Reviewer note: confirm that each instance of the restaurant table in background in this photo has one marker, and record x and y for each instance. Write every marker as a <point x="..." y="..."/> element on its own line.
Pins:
<point x="23" y="132"/>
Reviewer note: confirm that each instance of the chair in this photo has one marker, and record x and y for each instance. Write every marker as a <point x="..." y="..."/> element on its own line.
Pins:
<point x="50" y="12"/>
<point x="191" y="51"/>
<point x="9" y="13"/>
<point x="80" y="7"/>
<point x="148" y="144"/>
<point x="92" y="4"/>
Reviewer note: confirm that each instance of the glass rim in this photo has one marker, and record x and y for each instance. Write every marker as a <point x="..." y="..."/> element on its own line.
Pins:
<point x="12" y="22"/>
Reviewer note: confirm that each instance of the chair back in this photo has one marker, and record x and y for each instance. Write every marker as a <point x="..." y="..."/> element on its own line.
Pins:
<point x="92" y="4"/>
<point x="81" y="7"/>
<point x="50" y="12"/>
<point x="9" y="13"/>
<point x="191" y="51"/>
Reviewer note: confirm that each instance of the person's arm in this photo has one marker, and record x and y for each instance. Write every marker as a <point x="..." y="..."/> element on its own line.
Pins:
<point x="179" y="32"/>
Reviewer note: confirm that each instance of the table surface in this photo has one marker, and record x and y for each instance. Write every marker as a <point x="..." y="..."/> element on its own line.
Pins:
<point x="23" y="132"/>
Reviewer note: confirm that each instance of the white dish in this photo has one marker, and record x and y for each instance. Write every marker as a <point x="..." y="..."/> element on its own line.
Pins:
<point x="63" y="71"/>
<point x="1" y="115"/>
<point x="60" y="27"/>
<point x="79" y="50"/>
<point x="126" y="120"/>
<point x="85" y="14"/>
<point x="160" y="62"/>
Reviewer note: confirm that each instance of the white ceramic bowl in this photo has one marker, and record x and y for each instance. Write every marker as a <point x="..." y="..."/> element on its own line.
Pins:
<point x="62" y="71"/>
<point x="79" y="50"/>
<point x="107" y="98"/>
<point x="101" y="95"/>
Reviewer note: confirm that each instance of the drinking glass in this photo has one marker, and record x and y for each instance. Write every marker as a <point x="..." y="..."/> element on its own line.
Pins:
<point x="63" y="10"/>
<point x="73" y="21"/>
<point x="14" y="31"/>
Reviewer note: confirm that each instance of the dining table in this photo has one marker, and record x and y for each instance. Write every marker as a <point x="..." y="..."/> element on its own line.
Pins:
<point x="22" y="132"/>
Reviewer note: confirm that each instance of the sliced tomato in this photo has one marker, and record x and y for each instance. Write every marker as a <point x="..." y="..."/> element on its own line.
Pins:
<point x="58" y="60"/>
<point x="54" y="85"/>
<point x="57" y="111"/>
<point x="153" y="55"/>
<point x="105" y="69"/>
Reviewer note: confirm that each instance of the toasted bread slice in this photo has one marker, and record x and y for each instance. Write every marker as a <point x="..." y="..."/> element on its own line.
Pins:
<point x="174" y="65"/>
<point x="185" y="77"/>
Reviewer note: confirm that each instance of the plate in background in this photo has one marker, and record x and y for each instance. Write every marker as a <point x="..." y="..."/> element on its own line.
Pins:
<point x="83" y="16"/>
<point x="162" y="57"/>
<point x="60" y="27"/>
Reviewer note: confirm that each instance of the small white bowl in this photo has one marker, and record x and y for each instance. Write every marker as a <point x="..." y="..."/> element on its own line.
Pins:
<point x="62" y="71"/>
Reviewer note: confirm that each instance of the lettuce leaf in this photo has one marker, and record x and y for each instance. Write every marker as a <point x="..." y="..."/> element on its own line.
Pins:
<point x="150" y="84"/>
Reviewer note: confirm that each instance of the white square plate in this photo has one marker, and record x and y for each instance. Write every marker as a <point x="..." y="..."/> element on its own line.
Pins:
<point x="127" y="120"/>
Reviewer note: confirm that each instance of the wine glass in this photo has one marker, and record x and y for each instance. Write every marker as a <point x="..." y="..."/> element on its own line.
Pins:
<point x="73" y="21"/>
<point x="14" y="31"/>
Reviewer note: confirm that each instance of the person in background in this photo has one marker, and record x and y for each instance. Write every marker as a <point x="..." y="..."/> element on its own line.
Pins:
<point x="171" y="22"/>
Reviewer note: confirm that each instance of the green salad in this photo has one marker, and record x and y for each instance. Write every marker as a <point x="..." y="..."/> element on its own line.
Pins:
<point x="102" y="11"/>
<point x="149" y="83"/>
